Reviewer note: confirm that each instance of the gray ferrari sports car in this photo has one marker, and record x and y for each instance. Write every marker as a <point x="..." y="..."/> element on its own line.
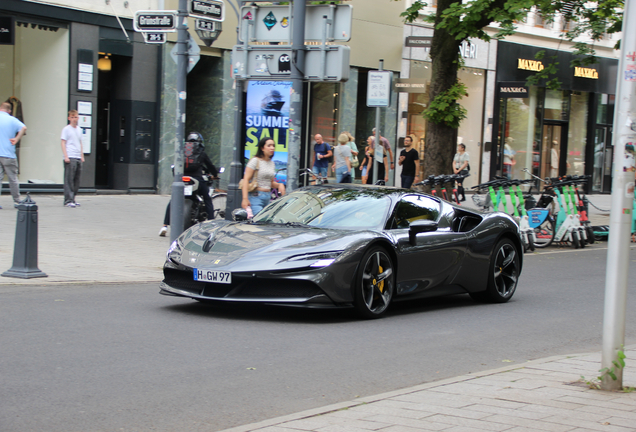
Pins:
<point x="346" y="245"/>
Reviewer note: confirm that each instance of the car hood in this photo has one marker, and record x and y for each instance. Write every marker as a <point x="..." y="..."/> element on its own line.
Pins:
<point x="237" y="246"/>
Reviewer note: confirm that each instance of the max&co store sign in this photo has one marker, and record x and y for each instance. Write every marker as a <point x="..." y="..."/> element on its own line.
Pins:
<point x="512" y="90"/>
<point x="537" y="66"/>
<point x="7" y="30"/>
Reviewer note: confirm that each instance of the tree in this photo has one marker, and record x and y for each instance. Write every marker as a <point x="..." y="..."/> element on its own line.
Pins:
<point x="454" y="22"/>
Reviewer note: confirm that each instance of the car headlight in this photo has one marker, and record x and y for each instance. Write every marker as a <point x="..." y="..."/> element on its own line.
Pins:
<point x="317" y="260"/>
<point x="175" y="248"/>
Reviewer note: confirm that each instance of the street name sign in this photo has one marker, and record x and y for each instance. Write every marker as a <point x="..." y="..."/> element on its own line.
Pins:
<point x="208" y="9"/>
<point x="155" y="21"/>
<point x="273" y="23"/>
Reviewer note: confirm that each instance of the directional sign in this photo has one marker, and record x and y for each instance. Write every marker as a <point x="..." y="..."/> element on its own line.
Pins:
<point x="155" y="21"/>
<point x="209" y="9"/>
<point x="155" y="38"/>
<point x="273" y="23"/>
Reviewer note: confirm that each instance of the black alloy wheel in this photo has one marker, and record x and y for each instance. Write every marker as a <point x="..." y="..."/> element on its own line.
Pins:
<point x="375" y="284"/>
<point x="505" y="268"/>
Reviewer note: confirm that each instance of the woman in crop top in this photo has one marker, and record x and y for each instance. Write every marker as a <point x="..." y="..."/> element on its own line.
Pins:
<point x="265" y="169"/>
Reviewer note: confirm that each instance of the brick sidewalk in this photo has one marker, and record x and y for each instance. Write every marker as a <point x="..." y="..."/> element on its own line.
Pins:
<point x="540" y="395"/>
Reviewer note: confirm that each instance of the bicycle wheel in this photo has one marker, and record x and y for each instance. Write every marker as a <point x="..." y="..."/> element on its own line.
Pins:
<point x="219" y="201"/>
<point x="544" y="233"/>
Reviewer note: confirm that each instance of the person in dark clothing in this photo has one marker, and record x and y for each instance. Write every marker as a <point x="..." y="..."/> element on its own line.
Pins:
<point x="410" y="162"/>
<point x="195" y="160"/>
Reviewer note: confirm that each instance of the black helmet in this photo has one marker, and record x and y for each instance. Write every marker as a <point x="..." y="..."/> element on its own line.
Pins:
<point x="195" y="137"/>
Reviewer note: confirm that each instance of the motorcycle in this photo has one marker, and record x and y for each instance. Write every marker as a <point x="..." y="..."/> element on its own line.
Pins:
<point x="194" y="210"/>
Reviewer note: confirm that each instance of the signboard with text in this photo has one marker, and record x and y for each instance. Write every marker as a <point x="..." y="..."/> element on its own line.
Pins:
<point x="208" y="9"/>
<point x="155" y="21"/>
<point x="379" y="88"/>
<point x="7" y="30"/>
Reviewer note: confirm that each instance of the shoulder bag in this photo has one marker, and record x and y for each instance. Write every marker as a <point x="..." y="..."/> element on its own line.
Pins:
<point x="254" y="183"/>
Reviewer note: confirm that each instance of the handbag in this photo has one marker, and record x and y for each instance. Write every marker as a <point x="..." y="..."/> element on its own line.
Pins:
<point x="254" y="183"/>
<point x="355" y="162"/>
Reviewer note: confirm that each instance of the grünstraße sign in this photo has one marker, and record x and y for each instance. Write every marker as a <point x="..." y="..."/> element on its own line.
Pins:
<point x="155" y="21"/>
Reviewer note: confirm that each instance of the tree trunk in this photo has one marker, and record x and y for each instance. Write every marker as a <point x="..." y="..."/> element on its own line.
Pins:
<point x="441" y="140"/>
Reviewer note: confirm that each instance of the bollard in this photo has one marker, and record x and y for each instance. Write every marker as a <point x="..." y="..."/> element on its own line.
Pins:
<point x="25" y="251"/>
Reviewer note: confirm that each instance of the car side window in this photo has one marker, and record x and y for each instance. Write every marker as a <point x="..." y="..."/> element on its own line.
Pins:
<point x="414" y="207"/>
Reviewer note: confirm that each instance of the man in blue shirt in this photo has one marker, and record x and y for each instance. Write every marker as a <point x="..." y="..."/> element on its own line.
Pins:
<point x="320" y="158"/>
<point x="11" y="130"/>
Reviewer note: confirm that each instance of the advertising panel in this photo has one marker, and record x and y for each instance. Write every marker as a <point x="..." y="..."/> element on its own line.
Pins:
<point x="267" y="115"/>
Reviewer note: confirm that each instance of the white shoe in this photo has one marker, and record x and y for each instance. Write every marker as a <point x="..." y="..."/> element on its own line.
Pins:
<point x="163" y="231"/>
<point x="76" y="204"/>
<point x="71" y="205"/>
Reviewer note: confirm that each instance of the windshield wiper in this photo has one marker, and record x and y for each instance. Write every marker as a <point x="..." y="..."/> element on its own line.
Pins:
<point x="296" y="224"/>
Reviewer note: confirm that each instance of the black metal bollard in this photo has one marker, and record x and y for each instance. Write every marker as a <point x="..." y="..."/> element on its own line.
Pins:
<point x="25" y="251"/>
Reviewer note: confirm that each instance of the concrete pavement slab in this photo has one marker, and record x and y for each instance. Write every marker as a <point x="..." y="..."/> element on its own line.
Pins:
<point x="109" y="238"/>
<point x="562" y="403"/>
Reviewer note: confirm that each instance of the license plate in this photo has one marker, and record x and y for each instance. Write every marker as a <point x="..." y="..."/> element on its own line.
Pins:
<point x="212" y="276"/>
<point x="187" y="190"/>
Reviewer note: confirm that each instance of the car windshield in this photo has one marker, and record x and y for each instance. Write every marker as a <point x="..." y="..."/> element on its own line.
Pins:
<point x="329" y="208"/>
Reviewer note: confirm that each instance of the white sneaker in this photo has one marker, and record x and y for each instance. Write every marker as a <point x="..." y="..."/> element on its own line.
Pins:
<point x="163" y="231"/>
<point x="71" y="205"/>
<point x="76" y="204"/>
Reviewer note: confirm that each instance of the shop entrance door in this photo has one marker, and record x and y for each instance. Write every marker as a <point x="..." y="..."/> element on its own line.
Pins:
<point x="603" y="157"/>
<point x="553" y="147"/>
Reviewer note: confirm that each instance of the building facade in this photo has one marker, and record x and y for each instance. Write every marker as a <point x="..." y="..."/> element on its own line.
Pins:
<point x="67" y="55"/>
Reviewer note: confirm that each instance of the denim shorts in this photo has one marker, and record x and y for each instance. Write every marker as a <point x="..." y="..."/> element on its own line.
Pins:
<point x="259" y="200"/>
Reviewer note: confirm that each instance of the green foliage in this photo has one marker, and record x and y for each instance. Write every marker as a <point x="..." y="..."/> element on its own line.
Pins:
<point x="619" y="363"/>
<point x="591" y="20"/>
<point x="445" y="110"/>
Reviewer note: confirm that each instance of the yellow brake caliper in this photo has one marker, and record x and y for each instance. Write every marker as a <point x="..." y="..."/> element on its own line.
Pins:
<point x="381" y="284"/>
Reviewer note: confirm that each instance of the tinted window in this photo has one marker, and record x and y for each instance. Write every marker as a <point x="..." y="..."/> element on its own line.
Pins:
<point x="329" y="208"/>
<point x="415" y="207"/>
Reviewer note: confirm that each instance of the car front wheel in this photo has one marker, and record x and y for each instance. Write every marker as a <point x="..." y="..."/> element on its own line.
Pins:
<point x="374" y="284"/>
<point x="505" y="267"/>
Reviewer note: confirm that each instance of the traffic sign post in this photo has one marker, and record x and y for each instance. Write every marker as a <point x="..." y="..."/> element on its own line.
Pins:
<point x="379" y="95"/>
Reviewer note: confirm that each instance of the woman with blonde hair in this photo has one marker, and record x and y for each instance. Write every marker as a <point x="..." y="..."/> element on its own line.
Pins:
<point x="355" y="162"/>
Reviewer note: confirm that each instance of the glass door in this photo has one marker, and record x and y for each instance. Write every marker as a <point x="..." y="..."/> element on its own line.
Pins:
<point x="603" y="157"/>
<point x="551" y="144"/>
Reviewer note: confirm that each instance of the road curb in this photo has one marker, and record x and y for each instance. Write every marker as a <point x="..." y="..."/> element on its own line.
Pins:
<point x="314" y="412"/>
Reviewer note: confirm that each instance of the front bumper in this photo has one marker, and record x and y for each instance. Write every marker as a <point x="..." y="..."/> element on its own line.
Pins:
<point x="297" y="288"/>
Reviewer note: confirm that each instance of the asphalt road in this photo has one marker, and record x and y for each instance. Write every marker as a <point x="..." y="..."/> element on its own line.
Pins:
<point x="124" y="358"/>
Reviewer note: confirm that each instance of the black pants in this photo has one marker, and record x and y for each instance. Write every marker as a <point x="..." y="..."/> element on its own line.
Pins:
<point x="460" y="185"/>
<point x="380" y="173"/>
<point x="204" y="191"/>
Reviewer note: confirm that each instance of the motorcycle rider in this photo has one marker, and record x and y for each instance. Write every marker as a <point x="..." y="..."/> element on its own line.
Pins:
<point x="195" y="159"/>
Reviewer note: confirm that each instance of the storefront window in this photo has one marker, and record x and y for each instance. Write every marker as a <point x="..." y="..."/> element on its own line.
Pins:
<point x="577" y="133"/>
<point x="519" y="136"/>
<point x="470" y="129"/>
<point x="605" y="109"/>
<point x="325" y="103"/>
<point x="556" y="105"/>
<point x="43" y="96"/>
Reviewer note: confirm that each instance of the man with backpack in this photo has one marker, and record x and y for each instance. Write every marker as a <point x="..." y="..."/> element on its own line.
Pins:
<point x="195" y="159"/>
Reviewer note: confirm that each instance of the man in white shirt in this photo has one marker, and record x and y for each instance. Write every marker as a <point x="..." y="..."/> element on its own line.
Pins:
<point x="11" y="130"/>
<point x="73" y="158"/>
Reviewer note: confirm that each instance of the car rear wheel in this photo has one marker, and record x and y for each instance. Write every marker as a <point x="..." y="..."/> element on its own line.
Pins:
<point x="505" y="267"/>
<point x="374" y="284"/>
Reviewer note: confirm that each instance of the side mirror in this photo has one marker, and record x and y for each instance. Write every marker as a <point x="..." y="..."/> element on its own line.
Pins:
<point x="239" y="214"/>
<point x="420" y="226"/>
